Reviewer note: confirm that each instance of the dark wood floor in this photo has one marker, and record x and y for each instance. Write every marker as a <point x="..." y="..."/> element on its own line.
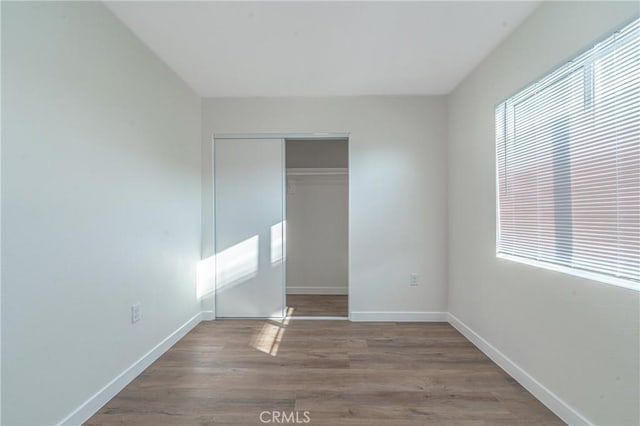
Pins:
<point x="316" y="305"/>
<point x="341" y="372"/>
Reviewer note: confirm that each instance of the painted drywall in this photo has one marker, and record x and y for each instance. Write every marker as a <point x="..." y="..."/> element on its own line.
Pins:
<point x="100" y="204"/>
<point x="397" y="187"/>
<point x="317" y="234"/>
<point x="317" y="153"/>
<point x="317" y="218"/>
<point x="579" y="338"/>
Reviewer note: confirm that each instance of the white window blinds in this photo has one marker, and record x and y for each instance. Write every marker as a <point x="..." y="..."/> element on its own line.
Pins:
<point x="568" y="163"/>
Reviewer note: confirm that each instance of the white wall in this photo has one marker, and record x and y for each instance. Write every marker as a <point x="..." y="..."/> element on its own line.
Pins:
<point x="397" y="187"/>
<point x="100" y="204"/>
<point x="579" y="338"/>
<point x="317" y="234"/>
<point x="317" y="153"/>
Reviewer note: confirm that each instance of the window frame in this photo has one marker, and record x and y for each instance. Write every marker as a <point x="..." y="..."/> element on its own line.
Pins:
<point x="575" y="63"/>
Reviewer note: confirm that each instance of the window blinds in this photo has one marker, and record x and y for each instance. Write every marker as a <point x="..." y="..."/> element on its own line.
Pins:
<point x="568" y="163"/>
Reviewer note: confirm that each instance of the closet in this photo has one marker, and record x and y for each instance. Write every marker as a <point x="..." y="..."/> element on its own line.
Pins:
<point x="280" y="226"/>
<point x="317" y="227"/>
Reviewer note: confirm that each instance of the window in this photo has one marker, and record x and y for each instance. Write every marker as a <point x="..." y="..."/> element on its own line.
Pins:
<point x="568" y="165"/>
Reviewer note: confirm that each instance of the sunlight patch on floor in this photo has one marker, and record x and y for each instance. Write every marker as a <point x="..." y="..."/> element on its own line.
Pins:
<point x="270" y="336"/>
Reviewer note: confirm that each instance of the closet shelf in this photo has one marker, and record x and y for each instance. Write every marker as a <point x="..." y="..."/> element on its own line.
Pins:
<point x="317" y="171"/>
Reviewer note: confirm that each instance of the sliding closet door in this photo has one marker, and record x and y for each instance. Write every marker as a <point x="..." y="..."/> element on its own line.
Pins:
<point x="249" y="214"/>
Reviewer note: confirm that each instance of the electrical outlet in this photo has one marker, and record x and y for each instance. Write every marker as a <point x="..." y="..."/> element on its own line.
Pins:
<point x="135" y="313"/>
<point x="413" y="280"/>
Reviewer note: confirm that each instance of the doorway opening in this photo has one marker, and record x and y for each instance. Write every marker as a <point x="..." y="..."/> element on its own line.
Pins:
<point x="317" y="227"/>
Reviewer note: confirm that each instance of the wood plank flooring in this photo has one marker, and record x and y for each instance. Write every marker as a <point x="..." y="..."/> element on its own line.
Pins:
<point x="317" y="305"/>
<point x="343" y="373"/>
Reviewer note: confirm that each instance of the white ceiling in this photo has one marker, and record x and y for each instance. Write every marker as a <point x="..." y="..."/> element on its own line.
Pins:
<point x="322" y="48"/>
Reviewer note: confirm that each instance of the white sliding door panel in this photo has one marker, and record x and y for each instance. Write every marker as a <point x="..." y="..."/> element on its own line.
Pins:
<point x="249" y="215"/>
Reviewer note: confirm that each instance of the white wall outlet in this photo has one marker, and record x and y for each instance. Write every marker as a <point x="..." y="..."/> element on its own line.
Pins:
<point x="413" y="279"/>
<point x="135" y="313"/>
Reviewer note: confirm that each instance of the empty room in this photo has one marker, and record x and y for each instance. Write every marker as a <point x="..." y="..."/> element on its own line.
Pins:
<point x="326" y="213"/>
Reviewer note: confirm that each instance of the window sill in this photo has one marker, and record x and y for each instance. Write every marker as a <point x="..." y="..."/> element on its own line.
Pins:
<point x="618" y="282"/>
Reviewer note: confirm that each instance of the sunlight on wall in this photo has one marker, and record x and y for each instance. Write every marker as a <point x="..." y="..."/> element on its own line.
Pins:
<point x="278" y="237"/>
<point x="238" y="263"/>
<point x="205" y="273"/>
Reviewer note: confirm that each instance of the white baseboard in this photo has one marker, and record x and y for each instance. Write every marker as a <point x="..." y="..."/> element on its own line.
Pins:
<point x="544" y="395"/>
<point x="104" y="395"/>
<point x="337" y="290"/>
<point x="537" y="389"/>
<point x="312" y="318"/>
<point x="399" y="316"/>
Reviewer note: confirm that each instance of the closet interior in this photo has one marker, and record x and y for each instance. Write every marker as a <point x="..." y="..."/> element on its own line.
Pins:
<point x="317" y="230"/>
